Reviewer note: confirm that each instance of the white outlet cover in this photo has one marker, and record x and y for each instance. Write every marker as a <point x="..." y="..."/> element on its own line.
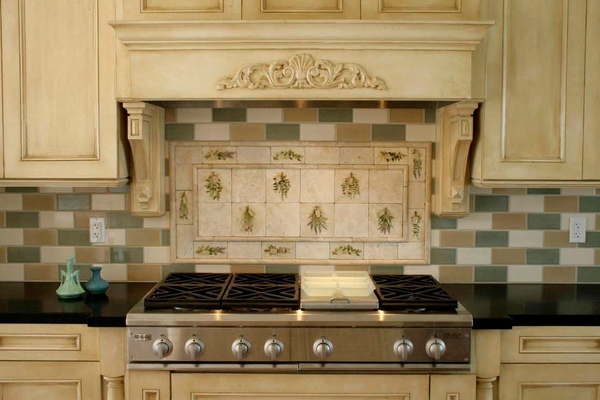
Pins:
<point x="577" y="227"/>
<point x="97" y="230"/>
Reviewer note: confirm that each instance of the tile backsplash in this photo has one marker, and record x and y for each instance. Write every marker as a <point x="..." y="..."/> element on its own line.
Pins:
<point x="512" y="235"/>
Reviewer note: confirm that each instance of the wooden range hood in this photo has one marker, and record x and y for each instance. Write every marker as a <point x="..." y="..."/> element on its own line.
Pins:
<point x="288" y="63"/>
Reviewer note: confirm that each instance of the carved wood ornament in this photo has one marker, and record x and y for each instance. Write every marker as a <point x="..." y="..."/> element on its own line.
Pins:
<point x="302" y="72"/>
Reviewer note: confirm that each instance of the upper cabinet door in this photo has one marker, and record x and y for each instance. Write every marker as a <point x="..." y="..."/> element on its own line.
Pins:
<point x="60" y="112"/>
<point x="591" y="150"/>
<point x="420" y="9"/>
<point x="181" y="9"/>
<point x="532" y="120"/>
<point x="300" y="9"/>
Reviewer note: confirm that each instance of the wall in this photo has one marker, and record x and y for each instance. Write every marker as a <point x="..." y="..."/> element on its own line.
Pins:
<point x="512" y="235"/>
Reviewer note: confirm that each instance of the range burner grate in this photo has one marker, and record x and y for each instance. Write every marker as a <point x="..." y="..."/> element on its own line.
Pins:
<point x="261" y="297"/>
<point x="412" y="292"/>
<point x="185" y="296"/>
<point x="191" y="278"/>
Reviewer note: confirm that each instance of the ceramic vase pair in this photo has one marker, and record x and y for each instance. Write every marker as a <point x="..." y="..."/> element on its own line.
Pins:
<point x="70" y="285"/>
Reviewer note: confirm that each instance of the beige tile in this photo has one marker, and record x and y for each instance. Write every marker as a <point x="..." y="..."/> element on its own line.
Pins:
<point x="41" y="272"/>
<point x="559" y="274"/>
<point x="108" y="202"/>
<point x="39" y="202"/>
<point x="57" y="219"/>
<point x="247" y="269"/>
<point x="508" y="256"/>
<point x="407" y="115"/>
<point x="370" y="115"/>
<point x="2" y="219"/>
<point x="13" y="272"/>
<point x="597" y="256"/>
<point x="90" y="190"/>
<point x="247" y="131"/>
<point x="144" y="272"/>
<point x="450" y="273"/>
<point x="82" y="218"/>
<point x="353" y="132"/>
<point x="598" y="191"/>
<point x="40" y="237"/>
<point x="557" y="239"/>
<point x="516" y="191"/>
<point x="56" y="254"/>
<point x="191" y="115"/>
<point x="514" y="221"/>
<point x="597" y="221"/>
<point x="457" y="239"/>
<point x="143" y="237"/>
<point x="300" y="115"/>
<point x="170" y="115"/>
<point x="561" y="203"/>
<point x="157" y="254"/>
<point x="11" y="237"/>
<point x="2" y="254"/>
<point x="92" y="255"/>
<point x="11" y="201"/>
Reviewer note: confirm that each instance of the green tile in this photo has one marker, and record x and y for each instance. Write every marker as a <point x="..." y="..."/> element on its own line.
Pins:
<point x="165" y="237"/>
<point x="229" y="115"/>
<point x="335" y="115"/>
<point x="123" y="219"/>
<point x="22" y="219"/>
<point x="283" y="131"/>
<point x="588" y="274"/>
<point x="119" y="189"/>
<point x="387" y="269"/>
<point x="496" y="273"/>
<point x="443" y="256"/>
<point x="430" y="115"/>
<point x="167" y="269"/>
<point x="23" y="254"/>
<point x="388" y="132"/>
<point x="443" y="223"/>
<point x="485" y="203"/>
<point x="491" y="239"/>
<point x="589" y="204"/>
<point x="592" y="239"/>
<point x="543" y="191"/>
<point x="179" y="132"/>
<point x="21" y="190"/>
<point x="71" y="202"/>
<point x="544" y="221"/>
<point x="282" y="269"/>
<point x="126" y="255"/>
<point x="73" y="237"/>
<point x="543" y="256"/>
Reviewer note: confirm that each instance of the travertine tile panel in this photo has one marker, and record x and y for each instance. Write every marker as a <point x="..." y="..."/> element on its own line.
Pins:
<point x="248" y="219"/>
<point x="210" y="250"/>
<point x="216" y="154"/>
<point x="385" y="221"/>
<point x="283" y="219"/>
<point x="417" y="160"/>
<point x="183" y="177"/>
<point x="248" y="185"/>
<point x="188" y="155"/>
<point x="214" y="185"/>
<point x="356" y="155"/>
<point x="253" y="155"/>
<point x="283" y="185"/>
<point x="457" y="238"/>
<point x="317" y="186"/>
<point x="312" y="250"/>
<point x="559" y="274"/>
<point x="214" y="219"/>
<point x="322" y="155"/>
<point x="288" y="155"/>
<point x="39" y="237"/>
<point x="352" y="186"/>
<point x="185" y="241"/>
<point x="411" y="251"/>
<point x="248" y="269"/>
<point x="351" y="220"/>
<point x="184" y="207"/>
<point x="390" y="155"/>
<point x="346" y="251"/>
<point x="326" y="214"/>
<point x="386" y="186"/>
<point x="416" y="196"/>
<point x="245" y="250"/>
<point x="380" y="251"/>
<point x="278" y="250"/>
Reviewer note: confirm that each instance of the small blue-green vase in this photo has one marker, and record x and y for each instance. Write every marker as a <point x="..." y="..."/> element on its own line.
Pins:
<point x="96" y="285"/>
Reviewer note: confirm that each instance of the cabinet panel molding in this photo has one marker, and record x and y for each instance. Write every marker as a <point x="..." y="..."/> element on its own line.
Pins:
<point x="40" y="342"/>
<point x="181" y="9"/>
<point x="420" y="9"/>
<point x="591" y="166"/>
<point x="301" y="9"/>
<point x="558" y="345"/>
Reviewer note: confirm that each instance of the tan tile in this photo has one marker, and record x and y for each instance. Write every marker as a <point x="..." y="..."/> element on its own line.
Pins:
<point x="509" y="221"/>
<point x="557" y="239"/>
<point x="39" y="202"/>
<point x="248" y="269"/>
<point x="353" y="132"/>
<point x="597" y="222"/>
<point x="597" y="261"/>
<point x="144" y="272"/>
<point x="92" y="255"/>
<point x="407" y="115"/>
<point x="598" y="191"/>
<point x="90" y="190"/>
<point x="143" y="237"/>
<point x="247" y="131"/>
<point x="561" y="203"/>
<point x="505" y="256"/>
<point x="300" y="115"/>
<point x="82" y="218"/>
<point x="457" y="239"/>
<point x="451" y="273"/>
<point x="559" y="274"/>
<point x="40" y="237"/>
<point x="509" y="191"/>
<point x="41" y="272"/>
<point x="170" y="115"/>
<point x="2" y="254"/>
<point x="2" y="219"/>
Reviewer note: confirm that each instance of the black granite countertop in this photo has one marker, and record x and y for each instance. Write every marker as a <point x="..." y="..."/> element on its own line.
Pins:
<point x="494" y="306"/>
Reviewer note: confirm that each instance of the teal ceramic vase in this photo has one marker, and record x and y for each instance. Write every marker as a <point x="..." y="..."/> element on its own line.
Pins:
<point x="70" y="287"/>
<point x="96" y="285"/>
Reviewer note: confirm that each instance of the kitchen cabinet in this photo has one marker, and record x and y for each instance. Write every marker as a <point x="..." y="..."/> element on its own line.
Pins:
<point x="300" y="9"/>
<point x="539" y="75"/>
<point x="181" y="9"/>
<point x="420" y="10"/>
<point x="61" y="122"/>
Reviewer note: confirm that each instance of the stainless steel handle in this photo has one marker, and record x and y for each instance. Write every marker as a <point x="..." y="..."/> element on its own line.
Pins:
<point x="241" y="349"/>
<point x="273" y="349"/>
<point x="162" y="348"/>
<point x="194" y="348"/>
<point x="322" y="349"/>
<point x="403" y="349"/>
<point x="435" y="348"/>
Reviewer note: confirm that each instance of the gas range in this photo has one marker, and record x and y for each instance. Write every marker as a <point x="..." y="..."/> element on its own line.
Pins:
<point x="263" y="322"/>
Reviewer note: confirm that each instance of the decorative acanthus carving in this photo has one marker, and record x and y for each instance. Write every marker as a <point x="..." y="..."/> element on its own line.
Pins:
<point x="301" y="72"/>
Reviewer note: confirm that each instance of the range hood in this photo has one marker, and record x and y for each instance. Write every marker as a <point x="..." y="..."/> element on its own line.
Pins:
<point x="386" y="64"/>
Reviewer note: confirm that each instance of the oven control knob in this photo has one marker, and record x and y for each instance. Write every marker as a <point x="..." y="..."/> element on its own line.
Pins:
<point x="241" y="349"/>
<point x="435" y="348"/>
<point x="403" y="349"/>
<point x="162" y="347"/>
<point x="322" y="348"/>
<point x="273" y="348"/>
<point x="194" y="348"/>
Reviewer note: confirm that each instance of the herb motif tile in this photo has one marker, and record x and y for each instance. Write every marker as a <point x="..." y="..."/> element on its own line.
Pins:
<point x="385" y="221"/>
<point x="417" y="164"/>
<point x="317" y="221"/>
<point x="351" y="186"/>
<point x="247" y="219"/>
<point x="281" y="184"/>
<point x="184" y="207"/>
<point x="213" y="186"/>
<point x="347" y="249"/>
<point x="218" y="155"/>
<point x="273" y="250"/>
<point x="210" y="250"/>
<point x="287" y="155"/>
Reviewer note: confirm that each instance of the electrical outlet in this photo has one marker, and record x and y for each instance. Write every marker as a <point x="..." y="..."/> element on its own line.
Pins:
<point x="577" y="230"/>
<point x="97" y="230"/>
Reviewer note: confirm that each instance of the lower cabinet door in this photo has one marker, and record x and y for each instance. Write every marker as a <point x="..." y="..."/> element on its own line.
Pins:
<point x="49" y="380"/>
<point x="298" y="387"/>
<point x="550" y="381"/>
<point x="453" y="387"/>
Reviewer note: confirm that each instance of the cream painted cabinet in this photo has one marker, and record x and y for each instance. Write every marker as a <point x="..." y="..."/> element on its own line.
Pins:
<point x="61" y="122"/>
<point x="420" y="9"/>
<point x="539" y="67"/>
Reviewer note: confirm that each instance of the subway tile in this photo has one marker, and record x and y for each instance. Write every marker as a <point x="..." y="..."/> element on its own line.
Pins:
<point x="559" y="274"/>
<point x="143" y="237"/>
<point x="13" y="272"/>
<point x="543" y="256"/>
<point x="114" y="272"/>
<point x="179" y="132"/>
<point x="578" y="191"/>
<point x="491" y="274"/>
<point x="430" y="115"/>
<point x="433" y="270"/>
<point x="317" y="132"/>
<point x="108" y="202"/>
<point x="52" y="189"/>
<point x="491" y="239"/>
<point x="167" y="269"/>
<point x="116" y="237"/>
<point x="264" y="115"/>
<point x="23" y="254"/>
<point x="508" y="256"/>
<point x="443" y="256"/>
<point x="247" y="132"/>
<point x="283" y="132"/>
<point x="11" y="237"/>
<point x="598" y="221"/>
<point x="192" y="115"/>
<point x="509" y="191"/>
<point x="579" y="256"/>
<point x="40" y="272"/>
<point x="560" y="204"/>
<point x="565" y="219"/>
<point x="357" y="268"/>
<point x="22" y="219"/>
<point x="453" y="238"/>
<point x="451" y="273"/>
<point x="588" y="274"/>
<point x="490" y="203"/>
<point x="335" y="115"/>
<point x="388" y="132"/>
<point x="543" y="191"/>
<point x="157" y="254"/>
<point x="420" y="133"/>
<point x="557" y="239"/>
<point x="23" y="189"/>
<point x="525" y="273"/>
<point x="353" y="132"/>
<point x="128" y="255"/>
<point x="73" y="237"/>
<point x="212" y="131"/>
<point x="443" y="223"/>
<point x="11" y="201"/>
<point x="473" y="256"/>
<point x="479" y="190"/>
<point x="281" y="269"/>
<point x="39" y="202"/>
<point x="123" y="219"/>
<point x="157" y="222"/>
<point x="144" y="272"/>
<point x="170" y="115"/>
<point x="40" y="237"/>
<point x="71" y="202"/>
<point x="407" y="115"/>
<point x="120" y="189"/>
<point x="434" y="238"/>
<point x="92" y="255"/>
<point x="82" y="218"/>
<point x="90" y="190"/>
<point x="592" y="239"/>
<point x="2" y="255"/>
<point x="525" y="238"/>
<point x="476" y="221"/>
<point x="589" y="204"/>
<point x="165" y="237"/>
<point x="510" y="221"/>
<point x="56" y="219"/>
<point x="528" y="204"/>
<point x="300" y="115"/>
<point x="370" y="115"/>
<point x="2" y="219"/>
<point x="543" y="221"/>
<point x="56" y="254"/>
<point x="229" y="114"/>
<point x="597" y="256"/>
